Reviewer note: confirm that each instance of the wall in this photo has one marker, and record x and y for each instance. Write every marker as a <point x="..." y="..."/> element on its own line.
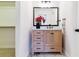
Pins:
<point x="7" y="24"/>
<point x="69" y="11"/>
<point x="17" y="30"/>
<point x="77" y="33"/>
<point x="7" y="37"/>
<point x="24" y="25"/>
<point x="7" y="14"/>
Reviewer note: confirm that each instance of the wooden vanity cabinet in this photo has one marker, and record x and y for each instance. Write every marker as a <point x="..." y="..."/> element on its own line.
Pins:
<point x="46" y="41"/>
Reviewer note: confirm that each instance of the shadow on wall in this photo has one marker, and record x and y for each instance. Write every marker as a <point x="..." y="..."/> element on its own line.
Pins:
<point x="30" y="44"/>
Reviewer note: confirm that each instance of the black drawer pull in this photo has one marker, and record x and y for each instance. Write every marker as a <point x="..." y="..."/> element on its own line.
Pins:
<point x="38" y="38"/>
<point x="38" y="48"/>
<point x="37" y="43"/>
<point x="51" y="33"/>
<point x="38" y="32"/>
<point x="52" y="48"/>
<point x="77" y="30"/>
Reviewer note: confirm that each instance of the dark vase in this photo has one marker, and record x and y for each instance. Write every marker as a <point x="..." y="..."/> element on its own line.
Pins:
<point x="38" y="25"/>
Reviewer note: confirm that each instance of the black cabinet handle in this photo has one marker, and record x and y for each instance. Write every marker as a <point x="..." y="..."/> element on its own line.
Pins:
<point x="77" y="30"/>
<point x="38" y="48"/>
<point x="52" y="48"/>
<point x="37" y="43"/>
<point x="38" y="38"/>
<point x="51" y="33"/>
<point x="38" y="32"/>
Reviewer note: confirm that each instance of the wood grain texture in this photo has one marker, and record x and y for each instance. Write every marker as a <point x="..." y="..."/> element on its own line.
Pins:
<point x="51" y="40"/>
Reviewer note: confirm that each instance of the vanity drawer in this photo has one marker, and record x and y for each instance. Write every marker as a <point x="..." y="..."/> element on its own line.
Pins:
<point x="39" y="32"/>
<point x="37" y="42"/>
<point x="37" y="48"/>
<point x="49" y="48"/>
<point x="49" y="40"/>
<point x="50" y="32"/>
<point x="37" y="37"/>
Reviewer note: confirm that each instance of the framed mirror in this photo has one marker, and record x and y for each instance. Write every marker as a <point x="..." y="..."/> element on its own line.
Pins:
<point x="50" y="15"/>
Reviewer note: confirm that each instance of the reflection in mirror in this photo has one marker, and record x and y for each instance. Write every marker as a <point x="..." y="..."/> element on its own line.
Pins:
<point x="45" y="16"/>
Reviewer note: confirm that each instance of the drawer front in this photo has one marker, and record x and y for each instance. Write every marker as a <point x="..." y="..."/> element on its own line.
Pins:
<point x="38" y="32"/>
<point x="49" y="37"/>
<point x="37" y="42"/>
<point x="49" y="48"/>
<point x="37" y="38"/>
<point x="50" y="33"/>
<point x="37" y="48"/>
<point x="49" y="40"/>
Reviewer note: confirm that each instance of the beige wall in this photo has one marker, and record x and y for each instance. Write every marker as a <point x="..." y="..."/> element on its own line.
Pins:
<point x="7" y="37"/>
<point x="7" y="24"/>
<point x="7" y="14"/>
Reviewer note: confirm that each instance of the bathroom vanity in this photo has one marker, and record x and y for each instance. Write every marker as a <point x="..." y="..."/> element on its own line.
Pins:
<point x="46" y="41"/>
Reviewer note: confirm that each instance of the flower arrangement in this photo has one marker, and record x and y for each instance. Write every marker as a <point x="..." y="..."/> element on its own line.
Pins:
<point x="38" y="20"/>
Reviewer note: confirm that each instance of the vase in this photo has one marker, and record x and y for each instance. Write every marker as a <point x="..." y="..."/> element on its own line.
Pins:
<point x="38" y="25"/>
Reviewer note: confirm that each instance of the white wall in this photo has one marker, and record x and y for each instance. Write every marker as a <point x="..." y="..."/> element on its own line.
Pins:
<point x="17" y="30"/>
<point x="25" y="26"/>
<point x="77" y="33"/>
<point x="77" y="22"/>
<point x="68" y="11"/>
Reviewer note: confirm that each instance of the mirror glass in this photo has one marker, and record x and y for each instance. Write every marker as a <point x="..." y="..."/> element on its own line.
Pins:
<point x="46" y="16"/>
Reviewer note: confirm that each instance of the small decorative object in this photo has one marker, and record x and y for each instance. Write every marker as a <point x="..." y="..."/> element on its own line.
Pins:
<point x="50" y="26"/>
<point x="63" y="24"/>
<point x="39" y="19"/>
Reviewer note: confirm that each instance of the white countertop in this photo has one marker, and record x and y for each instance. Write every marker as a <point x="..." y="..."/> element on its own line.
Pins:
<point x="34" y="28"/>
